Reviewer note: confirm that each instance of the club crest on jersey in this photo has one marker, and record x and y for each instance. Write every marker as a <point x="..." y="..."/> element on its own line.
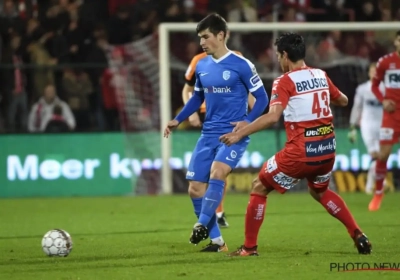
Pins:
<point x="226" y="75"/>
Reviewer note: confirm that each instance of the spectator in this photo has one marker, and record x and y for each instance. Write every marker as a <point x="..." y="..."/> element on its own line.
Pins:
<point x="350" y="46"/>
<point x="385" y="37"/>
<point x="331" y="10"/>
<point x="77" y="86"/>
<point x="75" y="37"/>
<point x="291" y="15"/>
<point x="62" y="33"/>
<point x="110" y="104"/>
<point x="43" y="74"/>
<point x="57" y="17"/>
<point x="373" y="50"/>
<point x="369" y="12"/>
<point x="145" y="17"/>
<point x="295" y="10"/>
<point x="242" y="13"/>
<point x="10" y="21"/>
<point x="328" y="48"/>
<point x="190" y="11"/>
<point x="122" y="22"/>
<point x="14" y="86"/>
<point x="42" y="111"/>
<point x="97" y="56"/>
<point x="57" y="123"/>
<point x="171" y="11"/>
<point x="34" y="32"/>
<point x="221" y="7"/>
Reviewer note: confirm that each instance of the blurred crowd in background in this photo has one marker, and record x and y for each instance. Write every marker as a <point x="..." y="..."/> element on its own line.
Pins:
<point x="55" y="74"/>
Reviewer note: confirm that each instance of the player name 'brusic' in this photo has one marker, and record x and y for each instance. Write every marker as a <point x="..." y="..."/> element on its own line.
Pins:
<point x="311" y="84"/>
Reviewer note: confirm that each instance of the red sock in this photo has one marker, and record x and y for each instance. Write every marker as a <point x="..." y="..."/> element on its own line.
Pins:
<point x="381" y="170"/>
<point x="335" y="206"/>
<point x="254" y="219"/>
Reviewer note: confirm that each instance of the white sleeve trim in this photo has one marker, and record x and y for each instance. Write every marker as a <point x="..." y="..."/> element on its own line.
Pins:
<point x="259" y="84"/>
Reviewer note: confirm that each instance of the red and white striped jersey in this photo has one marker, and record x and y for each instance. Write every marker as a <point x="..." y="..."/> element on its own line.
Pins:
<point x="305" y="95"/>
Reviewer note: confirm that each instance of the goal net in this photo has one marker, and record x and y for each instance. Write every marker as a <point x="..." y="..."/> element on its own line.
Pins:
<point x="134" y="77"/>
<point x="343" y="50"/>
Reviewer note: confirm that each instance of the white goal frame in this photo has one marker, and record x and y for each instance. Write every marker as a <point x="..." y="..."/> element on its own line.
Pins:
<point x="164" y="31"/>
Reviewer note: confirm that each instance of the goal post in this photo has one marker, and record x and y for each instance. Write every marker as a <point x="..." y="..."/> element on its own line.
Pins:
<point x="165" y="54"/>
<point x="165" y="107"/>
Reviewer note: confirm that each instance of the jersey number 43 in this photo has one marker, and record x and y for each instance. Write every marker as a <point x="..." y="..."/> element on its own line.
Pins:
<point x="320" y="105"/>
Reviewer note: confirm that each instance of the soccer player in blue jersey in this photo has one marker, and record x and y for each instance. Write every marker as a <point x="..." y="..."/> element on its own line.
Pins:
<point x="223" y="80"/>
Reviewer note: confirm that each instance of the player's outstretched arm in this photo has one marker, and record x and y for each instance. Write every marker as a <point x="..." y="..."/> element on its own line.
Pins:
<point x="263" y="122"/>
<point x="337" y="97"/>
<point x="340" y="101"/>
<point x="191" y="106"/>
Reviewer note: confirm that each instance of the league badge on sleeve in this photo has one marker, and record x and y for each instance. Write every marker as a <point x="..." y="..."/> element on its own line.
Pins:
<point x="255" y="80"/>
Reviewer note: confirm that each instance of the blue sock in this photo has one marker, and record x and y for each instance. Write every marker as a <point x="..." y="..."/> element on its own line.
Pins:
<point x="213" y="228"/>
<point x="197" y="205"/>
<point x="211" y="200"/>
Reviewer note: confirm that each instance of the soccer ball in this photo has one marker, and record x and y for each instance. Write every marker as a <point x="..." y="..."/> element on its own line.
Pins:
<point x="57" y="243"/>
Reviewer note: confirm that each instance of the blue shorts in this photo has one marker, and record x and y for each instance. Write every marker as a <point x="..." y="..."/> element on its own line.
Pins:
<point x="210" y="149"/>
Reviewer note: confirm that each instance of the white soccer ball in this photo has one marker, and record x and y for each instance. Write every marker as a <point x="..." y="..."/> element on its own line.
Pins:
<point x="57" y="243"/>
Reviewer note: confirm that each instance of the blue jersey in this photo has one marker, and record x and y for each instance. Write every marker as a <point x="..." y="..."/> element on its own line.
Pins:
<point x="225" y="84"/>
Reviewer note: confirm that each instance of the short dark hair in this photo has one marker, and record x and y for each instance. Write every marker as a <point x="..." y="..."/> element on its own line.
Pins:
<point x="398" y="33"/>
<point x="293" y="44"/>
<point x="214" y="22"/>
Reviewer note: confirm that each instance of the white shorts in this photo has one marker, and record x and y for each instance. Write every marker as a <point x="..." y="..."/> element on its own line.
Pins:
<point x="370" y="135"/>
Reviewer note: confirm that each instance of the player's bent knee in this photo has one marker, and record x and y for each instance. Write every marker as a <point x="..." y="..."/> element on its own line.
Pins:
<point x="374" y="155"/>
<point x="317" y="193"/>
<point x="219" y="170"/>
<point x="257" y="187"/>
<point x="197" y="189"/>
<point x="384" y="152"/>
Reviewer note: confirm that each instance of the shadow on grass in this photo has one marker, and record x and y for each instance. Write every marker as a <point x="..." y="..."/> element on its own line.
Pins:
<point x="75" y="235"/>
<point x="174" y="257"/>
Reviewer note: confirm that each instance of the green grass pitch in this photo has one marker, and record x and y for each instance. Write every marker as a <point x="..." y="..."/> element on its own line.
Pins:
<point x="147" y="238"/>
